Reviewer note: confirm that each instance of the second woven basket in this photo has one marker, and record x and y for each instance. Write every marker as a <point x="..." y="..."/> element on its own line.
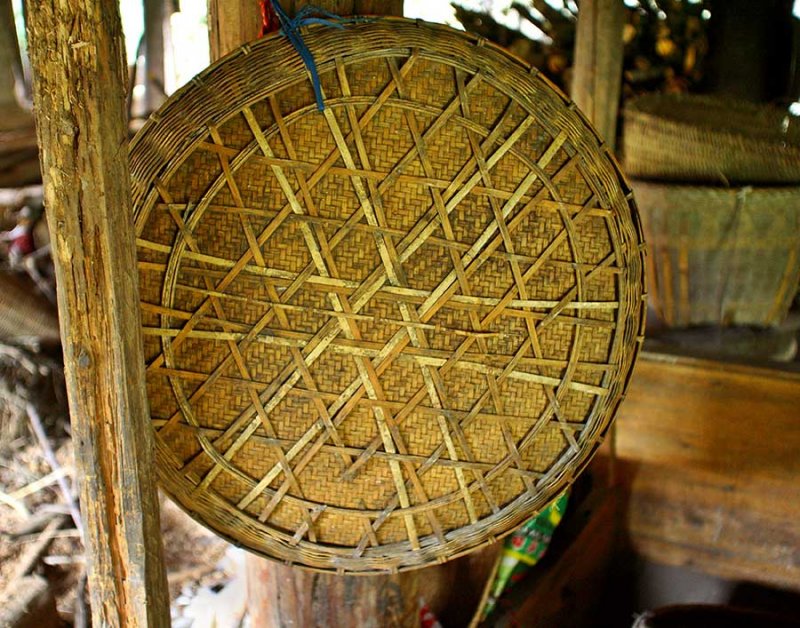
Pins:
<point x="703" y="139"/>
<point x="723" y="256"/>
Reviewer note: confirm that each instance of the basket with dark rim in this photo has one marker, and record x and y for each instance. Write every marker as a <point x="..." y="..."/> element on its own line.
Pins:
<point x="704" y="139"/>
<point x="385" y="334"/>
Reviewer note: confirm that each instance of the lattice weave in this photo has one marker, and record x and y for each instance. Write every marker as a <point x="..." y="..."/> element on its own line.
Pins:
<point x="385" y="334"/>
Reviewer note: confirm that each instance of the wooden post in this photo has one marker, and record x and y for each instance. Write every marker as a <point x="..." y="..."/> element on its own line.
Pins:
<point x="286" y="596"/>
<point x="155" y="20"/>
<point x="232" y="23"/>
<point x="10" y="63"/>
<point x="78" y="61"/>
<point x="597" y="76"/>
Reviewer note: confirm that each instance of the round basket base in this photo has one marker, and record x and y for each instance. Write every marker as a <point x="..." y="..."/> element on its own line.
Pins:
<point x="383" y="334"/>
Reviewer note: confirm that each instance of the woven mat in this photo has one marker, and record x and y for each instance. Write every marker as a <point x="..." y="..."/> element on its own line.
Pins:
<point x="382" y="335"/>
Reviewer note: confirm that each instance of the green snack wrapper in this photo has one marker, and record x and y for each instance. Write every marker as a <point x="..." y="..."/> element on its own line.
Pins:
<point x="524" y="548"/>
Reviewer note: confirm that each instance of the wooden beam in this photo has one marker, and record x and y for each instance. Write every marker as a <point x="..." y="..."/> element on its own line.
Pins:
<point x="711" y="454"/>
<point x="597" y="74"/>
<point x="78" y="60"/>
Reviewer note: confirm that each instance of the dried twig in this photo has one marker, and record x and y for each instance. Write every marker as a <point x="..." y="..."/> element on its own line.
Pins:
<point x="34" y="524"/>
<point x="64" y="560"/>
<point x="38" y="485"/>
<point x="47" y="450"/>
<point x="32" y="555"/>
<point x="20" y="358"/>
<point x="81" y="619"/>
<point x="70" y="533"/>
<point x="29" y="264"/>
<point x="15" y="503"/>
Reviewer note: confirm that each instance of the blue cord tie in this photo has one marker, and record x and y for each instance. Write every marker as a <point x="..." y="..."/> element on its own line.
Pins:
<point x="290" y="28"/>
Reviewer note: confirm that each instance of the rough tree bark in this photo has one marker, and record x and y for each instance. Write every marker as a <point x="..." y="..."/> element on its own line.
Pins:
<point x="597" y="77"/>
<point x="78" y="60"/>
<point x="288" y="596"/>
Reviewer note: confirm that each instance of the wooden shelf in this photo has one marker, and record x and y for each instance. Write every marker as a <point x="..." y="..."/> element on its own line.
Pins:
<point x="710" y="452"/>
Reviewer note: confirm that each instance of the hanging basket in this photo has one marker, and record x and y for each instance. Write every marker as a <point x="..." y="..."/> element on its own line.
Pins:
<point x="385" y="334"/>
<point x="721" y="256"/>
<point x="703" y="139"/>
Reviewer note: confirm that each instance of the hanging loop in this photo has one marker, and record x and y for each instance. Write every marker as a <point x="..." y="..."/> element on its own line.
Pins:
<point x="275" y="16"/>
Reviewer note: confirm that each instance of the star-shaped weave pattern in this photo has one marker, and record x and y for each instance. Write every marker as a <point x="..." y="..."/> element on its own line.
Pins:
<point x="383" y="334"/>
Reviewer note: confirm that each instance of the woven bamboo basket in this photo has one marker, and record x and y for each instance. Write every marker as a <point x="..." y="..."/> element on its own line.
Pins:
<point x="381" y="335"/>
<point x="702" y="139"/>
<point x="719" y="255"/>
<point x="24" y="313"/>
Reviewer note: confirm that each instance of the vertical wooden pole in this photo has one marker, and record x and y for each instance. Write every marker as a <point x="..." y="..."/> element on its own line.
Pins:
<point x="378" y="7"/>
<point x="288" y="596"/>
<point x="78" y="60"/>
<point x="154" y="24"/>
<point x="10" y="62"/>
<point x="231" y="23"/>
<point x="597" y="76"/>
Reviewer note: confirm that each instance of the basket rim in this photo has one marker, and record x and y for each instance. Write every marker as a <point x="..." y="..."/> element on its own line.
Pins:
<point x="647" y="110"/>
<point x="145" y="171"/>
<point x="755" y="189"/>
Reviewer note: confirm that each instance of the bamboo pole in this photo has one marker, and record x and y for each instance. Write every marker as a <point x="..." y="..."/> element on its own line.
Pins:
<point x="597" y="77"/>
<point x="78" y="61"/>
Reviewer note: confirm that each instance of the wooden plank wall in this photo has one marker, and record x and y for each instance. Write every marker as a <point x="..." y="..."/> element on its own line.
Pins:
<point x="711" y="454"/>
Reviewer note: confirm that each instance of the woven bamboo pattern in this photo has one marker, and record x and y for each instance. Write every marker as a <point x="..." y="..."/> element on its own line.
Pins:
<point x="703" y="139"/>
<point x="385" y="334"/>
<point x="723" y="256"/>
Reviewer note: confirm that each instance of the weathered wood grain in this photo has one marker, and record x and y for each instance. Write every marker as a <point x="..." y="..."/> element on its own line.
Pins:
<point x="597" y="76"/>
<point x="156" y="19"/>
<point x="283" y="596"/>
<point x="712" y="453"/>
<point x="231" y="23"/>
<point x="78" y="60"/>
<point x="378" y="7"/>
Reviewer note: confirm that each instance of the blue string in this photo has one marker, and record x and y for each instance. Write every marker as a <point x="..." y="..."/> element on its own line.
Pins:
<point x="290" y="28"/>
